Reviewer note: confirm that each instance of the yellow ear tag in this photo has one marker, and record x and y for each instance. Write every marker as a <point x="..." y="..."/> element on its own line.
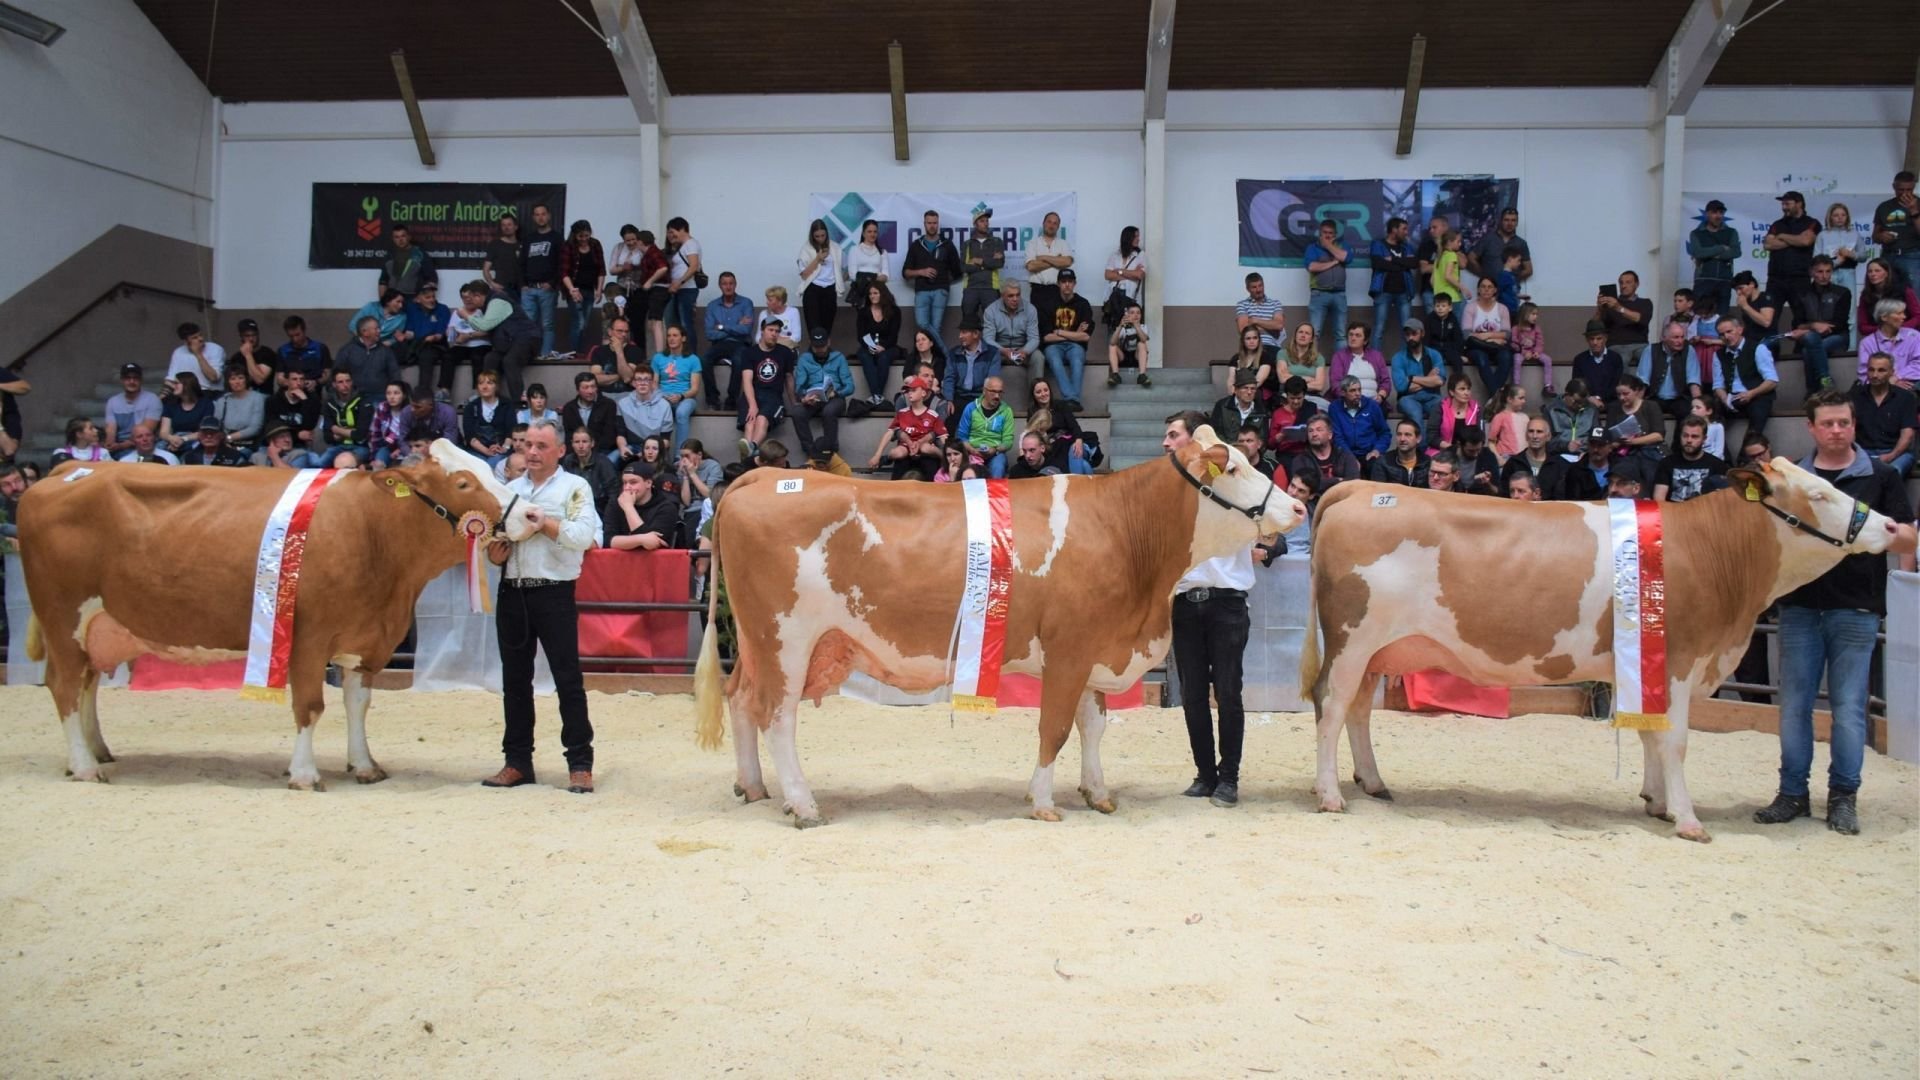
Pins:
<point x="1213" y="471"/>
<point x="1753" y="492"/>
<point x="401" y="490"/>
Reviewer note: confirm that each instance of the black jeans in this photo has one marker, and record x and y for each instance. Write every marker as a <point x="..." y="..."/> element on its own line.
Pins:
<point x="431" y="358"/>
<point x="723" y="352"/>
<point x="543" y="616"/>
<point x="510" y="361"/>
<point x="875" y="364"/>
<point x="829" y="411"/>
<point x="1209" y="638"/>
<point x="817" y="306"/>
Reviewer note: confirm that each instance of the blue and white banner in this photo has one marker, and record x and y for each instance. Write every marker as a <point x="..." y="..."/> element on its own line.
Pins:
<point x="1750" y="213"/>
<point x="900" y="216"/>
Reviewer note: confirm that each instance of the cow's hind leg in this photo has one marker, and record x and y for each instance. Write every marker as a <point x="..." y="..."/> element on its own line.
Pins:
<point x="1653" y="781"/>
<point x="1366" y="771"/>
<point x="357" y="695"/>
<point x="90" y="717"/>
<point x="1339" y="694"/>
<point x="748" y="783"/>
<point x="1091" y="719"/>
<point x="786" y="764"/>
<point x="1673" y="762"/>
<point x="1059" y="702"/>
<point x="305" y="678"/>
<point x="68" y="676"/>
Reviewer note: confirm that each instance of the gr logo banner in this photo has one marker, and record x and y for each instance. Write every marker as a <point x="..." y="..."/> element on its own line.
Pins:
<point x="1279" y="218"/>
<point x="353" y="223"/>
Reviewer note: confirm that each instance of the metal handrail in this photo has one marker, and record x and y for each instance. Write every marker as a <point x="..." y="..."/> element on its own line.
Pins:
<point x="121" y="290"/>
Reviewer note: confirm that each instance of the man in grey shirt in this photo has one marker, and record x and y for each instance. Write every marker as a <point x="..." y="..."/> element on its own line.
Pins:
<point x="1013" y="326"/>
<point x="1490" y="254"/>
<point x="982" y="254"/>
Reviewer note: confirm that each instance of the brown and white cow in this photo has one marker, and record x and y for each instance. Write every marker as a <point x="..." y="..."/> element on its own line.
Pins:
<point x="125" y="560"/>
<point x="854" y="575"/>
<point x="1507" y="593"/>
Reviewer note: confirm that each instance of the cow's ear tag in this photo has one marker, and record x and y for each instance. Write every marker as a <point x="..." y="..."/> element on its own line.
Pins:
<point x="1213" y="471"/>
<point x="400" y="488"/>
<point x="1753" y="491"/>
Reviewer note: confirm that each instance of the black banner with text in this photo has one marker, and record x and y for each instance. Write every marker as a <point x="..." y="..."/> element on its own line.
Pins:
<point x="352" y="223"/>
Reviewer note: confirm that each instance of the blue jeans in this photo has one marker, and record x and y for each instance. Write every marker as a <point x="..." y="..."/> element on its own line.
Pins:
<point x="1908" y="264"/>
<point x="1321" y="302"/>
<point x="930" y="309"/>
<point x="1418" y="405"/>
<point x="1815" y="348"/>
<point x="1840" y="645"/>
<point x="1389" y="309"/>
<point x="997" y="465"/>
<point x="684" y="302"/>
<point x="1067" y="360"/>
<point x="1078" y="466"/>
<point x="1495" y="363"/>
<point x="579" y="316"/>
<point x="683" y="419"/>
<point x="536" y="303"/>
<point x="1900" y="464"/>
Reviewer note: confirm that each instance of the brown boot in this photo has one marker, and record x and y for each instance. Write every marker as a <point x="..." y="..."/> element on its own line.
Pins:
<point x="508" y="776"/>
<point x="580" y="781"/>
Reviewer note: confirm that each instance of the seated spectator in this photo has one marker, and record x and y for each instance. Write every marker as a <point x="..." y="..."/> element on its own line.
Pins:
<point x="1757" y="309"/>
<point x="1708" y="409"/>
<point x="1885" y="415"/>
<point x="372" y="363"/>
<point x="536" y="407"/>
<point x="1507" y="429"/>
<point x="699" y="473"/>
<point x="1127" y="345"/>
<point x="1671" y="372"/>
<point x="956" y="458"/>
<point x="876" y="322"/>
<point x="145" y="439"/>
<point x="911" y="443"/>
<point x="987" y="424"/>
<point x="466" y="344"/>
<point x="768" y="371"/>
<point x="512" y="468"/>
<point x="205" y="359"/>
<point x="277" y="450"/>
<point x="486" y="422"/>
<point x="641" y="517"/>
<point x="1031" y="461"/>
<point x="1599" y="367"/>
<point x="1743" y="375"/>
<point x="1488" y="328"/>
<point x="1530" y="345"/>
<point x="596" y="415"/>
<point x="1624" y="481"/>
<point x="389" y="317"/>
<point x="1570" y="417"/>
<point x="1882" y="282"/>
<point x="769" y="455"/>
<point x="392" y="423"/>
<point x="1064" y="443"/>
<point x="1263" y="313"/>
<point x="125" y="410"/>
<point x="969" y="365"/>
<point x="1546" y="470"/>
<point x="261" y="363"/>
<point x="935" y="401"/>
<point x="1457" y="410"/>
<point x="614" y="361"/>
<point x="298" y="408"/>
<point x="346" y="419"/>
<point x="1405" y="464"/>
<point x="1300" y="358"/>
<point x="304" y="353"/>
<point x="785" y="315"/>
<point x="1896" y="340"/>
<point x="1628" y="319"/>
<point x="644" y="413"/>
<point x="1689" y="470"/>
<point x="435" y="419"/>
<point x="427" y="342"/>
<point x="1443" y="469"/>
<point x="1240" y="408"/>
<point x="1013" y="327"/>
<point x="1287" y="431"/>
<point x="211" y="448"/>
<point x="1587" y="478"/>
<point x="419" y="449"/>
<point x="1359" y="423"/>
<point x="657" y="451"/>
<point x="1649" y="428"/>
<point x="1358" y="359"/>
<point x="731" y="329"/>
<point x="1252" y="444"/>
<point x="1822" y="313"/>
<point x="1417" y="374"/>
<point x="242" y="410"/>
<point x="1068" y="332"/>
<point x="823" y="384"/>
<point x="927" y="354"/>
<point x="1478" y="464"/>
<point x="586" y="461"/>
<point x="1256" y="356"/>
<point x="1305" y="487"/>
<point x="1332" y="463"/>
<point x="1522" y="487"/>
<point x="1443" y="331"/>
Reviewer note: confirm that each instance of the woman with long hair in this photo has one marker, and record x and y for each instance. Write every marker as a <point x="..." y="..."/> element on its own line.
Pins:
<point x="866" y="263"/>
<point x="1066" y="443"/>
<point x="1881" y="283"/>
<point x="1840" y="241"/>
<point x="180" y="414"/>
<point x="819" y="266"/>
<point x="583" y="269"/>
<point x="877" y="321"/>
<point x="1254" y="355"/>
<point x="927" y="350"/>
<point x="1301" y="357"/>
<point x="1126" y="274"/>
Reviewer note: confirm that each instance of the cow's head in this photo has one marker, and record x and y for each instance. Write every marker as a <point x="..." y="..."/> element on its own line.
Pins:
<point x="1231" y="487"/>
<point x="459" y="483"/>
<point x="1821" y="523"/>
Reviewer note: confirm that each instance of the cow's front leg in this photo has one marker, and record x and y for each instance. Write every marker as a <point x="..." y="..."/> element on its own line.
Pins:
<point x="1673" y="766"/>
<point x="1091" y="718"/>
<point x="1060" y="699"/>
<point x="90" y="716"/>
<point x="786" y="765"/>
<point x="1366" y="771"/>
<point x="357" y="695"/>
<point x="748" y="783"/>
<point x="1653" y="781"/>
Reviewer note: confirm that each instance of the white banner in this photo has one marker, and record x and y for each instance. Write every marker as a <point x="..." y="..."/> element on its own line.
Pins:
<point x="1750" y="213"/>
<point x="901" y="219"/>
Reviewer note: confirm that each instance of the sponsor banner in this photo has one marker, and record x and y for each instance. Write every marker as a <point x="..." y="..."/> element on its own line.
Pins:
<point x="452" y="222"/>
<point x="1279" y="218"/>
<point x="1750" y="213"/>
<point x="900" y="216"/>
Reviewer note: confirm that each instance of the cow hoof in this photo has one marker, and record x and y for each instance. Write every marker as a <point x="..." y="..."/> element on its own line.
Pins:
<point x="106" y="758"/>
<point x="1104" y="804"/>
<point x="1334" y="805"/>
<point x="1383" y="794"/>
<point x="371" y="775"/>
<point x="315" y="784"/>
<point x="1695" y="832"/>
<point x="1045" y="813"/>
<point x="88" y="776"/>
<point x="802" y="821"/>
<point x="751" y="796"/>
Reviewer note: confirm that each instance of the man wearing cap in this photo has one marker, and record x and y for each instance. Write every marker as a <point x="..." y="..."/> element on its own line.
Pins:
<point x="1713" y="245"/>
<point x="1743" y="375"/>
<point x="969" y="365"/>
<point x="642" y="517"/>
<point x="932" y="264"/>
<point x="277" y="450"/>
<point x="982" y="254"/>
<point x="769" y="375"/>
<point x="1240" y="408"/>
<point x="426" y="344"/>
<point x="824" y="383"/>
<point x="146" y="448"/>
<point x="408" y="269"/>
<point x="1013" y="327"/>
<point x="1417" y="373"/>
<point x="1068" y="328"/>
<point x="133" y="404"/>
<point x="1587" y="478"/>
<point x="1047" y="256"/>
<point x="1599" y="367"/>
<point x="211" y="447"/>
<point x="1789" y="244"/>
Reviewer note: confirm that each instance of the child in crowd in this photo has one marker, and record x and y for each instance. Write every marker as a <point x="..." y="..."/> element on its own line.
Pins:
<point x="1457" y="410"/>
<point x="1507" y="281"/>
<point x="1709" y="409"/>
<point x="536" y="406"/>
<point x="1508" y="429"/>
<point x="958" y="458"/>
<point x="1443" y="331"/>
<point x="1530" y="344"/>
<point x="1446" y="269"/>
<point x="912" y="441"/>
<point x="1705" y="333"/>
<point x="1129" y="342"/>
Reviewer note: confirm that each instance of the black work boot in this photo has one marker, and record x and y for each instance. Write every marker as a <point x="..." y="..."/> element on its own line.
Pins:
<point x="1199" y="789"/>
<point x="1782" y="809"/>
<point x="1226" y="793"/>
<point x="1843" y="816"/>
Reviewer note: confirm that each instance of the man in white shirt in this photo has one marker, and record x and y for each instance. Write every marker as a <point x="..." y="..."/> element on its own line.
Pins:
<point x="206" y="360"/>
<point x="536" y="608"/>
<point x="1047" y="255"/>
<point x="1210" y="625"/>
<point x="144" y="446"/>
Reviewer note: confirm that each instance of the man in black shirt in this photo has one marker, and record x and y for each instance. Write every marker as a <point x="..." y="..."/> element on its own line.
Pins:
<point x="1628" y="318"/>
<point x="769" y="375"/>
<point x="1321" y="456"/>
<point x="1884" y="416"/>
<point x="1587" y="478"/>
<point x="297" y="406"/>
<point x="540" y="284"/>
<point x="1827" y="628"/>
<point x="212" y="448"/>
<point x="595" y="413"/>
<point x="1789" y="244"/>
<point x="1822" y="317"/>
<point x="1065" y="329"/>
<point x="614" y="363"/>
<point x="1032" y="459"/>
<point x="1690" y="471"/>
<point x="504" y="268"/>
<point x="1549" y="471"/>
<point x="1404" y="464"/>
<point x="642" y="517"/>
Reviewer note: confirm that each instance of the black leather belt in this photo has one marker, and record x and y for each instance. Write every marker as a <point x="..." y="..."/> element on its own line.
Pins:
<point x="533" y="582"/>
<point x="1204" y="594"/>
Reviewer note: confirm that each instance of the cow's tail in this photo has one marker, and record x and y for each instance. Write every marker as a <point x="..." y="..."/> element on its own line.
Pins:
<point x="709" y="699"/>
<point x="1310" y="647"/>
<point x="36" y="647"/>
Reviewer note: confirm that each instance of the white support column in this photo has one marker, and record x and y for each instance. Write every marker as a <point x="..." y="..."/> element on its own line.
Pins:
<point x="653" y="177"/>
<point x="1154" y="228"/>
<point x="633" y="55"/>
<point x="1669" y="138"/>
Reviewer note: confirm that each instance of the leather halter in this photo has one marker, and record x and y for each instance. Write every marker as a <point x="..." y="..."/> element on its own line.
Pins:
<point x="1253" y="513"/>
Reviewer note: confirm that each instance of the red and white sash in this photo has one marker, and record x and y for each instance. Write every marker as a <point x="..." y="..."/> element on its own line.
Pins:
<point x="276" y="581"/>
<point x="1639" y="616"/>
<point x="980" y="628"/>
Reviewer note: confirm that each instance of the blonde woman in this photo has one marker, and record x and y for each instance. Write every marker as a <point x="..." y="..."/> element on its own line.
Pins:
<point x="1841" y="242"/>
<point x="1302" y="357"/>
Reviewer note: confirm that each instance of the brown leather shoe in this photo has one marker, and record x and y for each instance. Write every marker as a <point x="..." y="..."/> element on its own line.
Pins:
<point x="508" y="776"/>
<point x="580" y="781"/>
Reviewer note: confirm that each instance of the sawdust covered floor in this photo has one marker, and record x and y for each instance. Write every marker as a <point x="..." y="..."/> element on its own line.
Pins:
<point x="1512" y="913"/>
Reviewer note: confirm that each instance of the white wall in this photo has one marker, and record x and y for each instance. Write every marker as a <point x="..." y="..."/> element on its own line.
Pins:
<point x="107" y="127"/>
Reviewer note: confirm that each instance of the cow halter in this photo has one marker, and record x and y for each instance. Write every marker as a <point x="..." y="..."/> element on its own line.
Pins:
<point x="499" y="527"/>
<point x="1855" y="523"/>
<point x="1253" y="513"/>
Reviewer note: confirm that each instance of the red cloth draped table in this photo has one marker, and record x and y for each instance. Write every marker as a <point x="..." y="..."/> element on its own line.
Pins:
<point x="1439" y="691"/>
<point x="634" y="577"/>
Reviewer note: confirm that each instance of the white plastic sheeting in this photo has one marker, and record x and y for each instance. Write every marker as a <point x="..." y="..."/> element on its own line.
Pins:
<point x="20" y="670"/>
<point x="1902" y="659"/>
<point x="455" y="649"/>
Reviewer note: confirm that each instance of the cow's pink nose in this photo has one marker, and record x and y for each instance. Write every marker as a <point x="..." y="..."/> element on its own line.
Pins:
<point x="1299" y="511"/>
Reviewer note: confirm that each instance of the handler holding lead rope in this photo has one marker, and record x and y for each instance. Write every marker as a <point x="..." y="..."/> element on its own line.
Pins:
<point x="536" y="608"/>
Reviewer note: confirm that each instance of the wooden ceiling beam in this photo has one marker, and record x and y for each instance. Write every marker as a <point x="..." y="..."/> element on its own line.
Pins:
<point x="414" y="120"/>
<point x="897" y="83"/>
<point x="1410" y="97"/>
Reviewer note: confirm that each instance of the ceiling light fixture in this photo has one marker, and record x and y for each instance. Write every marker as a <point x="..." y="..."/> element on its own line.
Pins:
<point x="29" y="25"/>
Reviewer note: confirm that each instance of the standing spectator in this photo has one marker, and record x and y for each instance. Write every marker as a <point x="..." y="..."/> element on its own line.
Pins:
<point x="1687" y="471"/>
<point x="1546" y="470"/>
<point x="1648" y="432"/>
<point x="1358" y="359"/>
<point x="1789" y="243"/>
<point x="1444" y="334"/>
<point x="1321" y="456"/>
<point x="1127" y="343"/>
<point x="1326" y="262"/>
<point x="1488" y="327"/>
<point x="982" y="254"/>
<point x="876" y="321"/>
<point x="687" y="277"/>
<point x="652" y="275"/>
<point x="987" y="424"/>
<point x="129" y="408"/>
<point x="866" y="264"/>
<point x="1882" y="283"/>
<point x="823" y="384"/>
<point x="504" y="268"/>
<point x="296" y="407"/>
<point x="614" y="362"/>
<point x="731" y="328"/>
<point x="12" y="387"/>
<point x="536" y="611"/>
<point x="791" y="332"/>
<point x="769" y="372"/>
<point x="1896" y="228"/>
<point x="1047" y="255"/>
<point x="541" y="260"/>
<point x="345" y="418"/>
<point x="1013" y="327"/>
<point x="1671" y="372"/>
<point x="1064" y="442"/>
<point x="1446" y="267"/>
<point x="260" y="362"/>
<point x="511" y="332"/>
<point x="1428" y="257"/>
<point x="1241" y="408"/>
<point x="1126" y="276"/>
<point x="210" y="448"/>
<point x="1210" y="627"/>
<point x="1713" y="245"/>
<point x="1405" y="464"/>
<point x="1827" y="628"/>
<point x="1359" y="424"/>
<point x="1599" y="367"/>
<point x="1068" y="331"/>
<point x="144" y="446"/>
<point x="1896" y="339"/>
<point x="969" y="365"/>
<point x="486" y="422"/>
<point x="1820" y="322"/>
<point x="389" y="314"/>
<point x="1628" y="318"/>
<point x="1744" y="376"/>
<point x="1506" y="281"/>
<point x="242" y="410"/>
<point x="932" y="264"/>
<point x="594" y="413"/>
<point x="1262" y="312"/>
<point x="1885" y="416"/>
<point x="1490" y="254"/>
<point x="1391" y="286"/>
<point x="205" y="359"/>
<point x="583" y="267"/>
<point x="303" y="352"/>
<point x="679" y="374"/>
<point x="407" y="267"/>
<point x="1417" y="374"/>
<point x="623" y="263"/>
<point x="1840" y="241"/>
<point x="819" y="266"/>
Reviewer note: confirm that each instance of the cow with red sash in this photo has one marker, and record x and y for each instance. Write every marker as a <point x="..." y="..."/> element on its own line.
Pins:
<point x="922" y="586"/>
<point x="292" y="570"/>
